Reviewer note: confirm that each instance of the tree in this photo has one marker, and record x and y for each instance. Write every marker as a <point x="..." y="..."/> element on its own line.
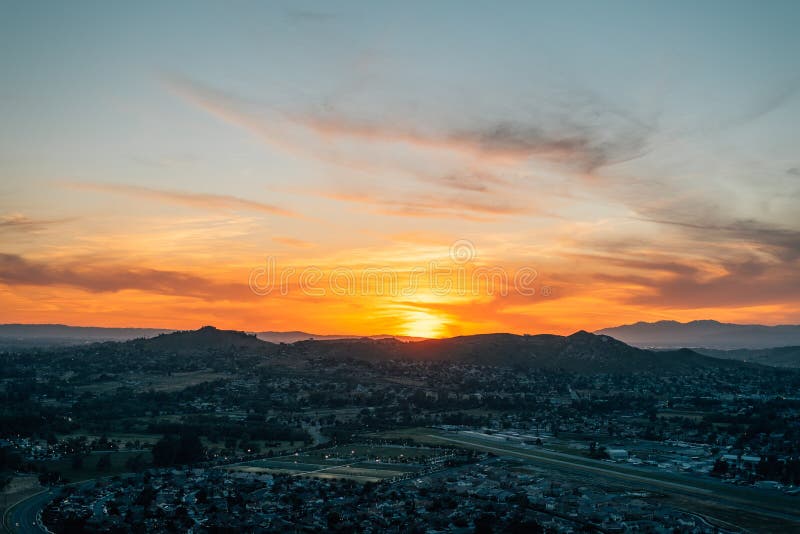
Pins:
<point x="720" y="467"/>
<point x="184" y="449"/>
<point x="104" y="463"/>
<point x="165" y="451"/>
<point x="333" y="519"/>
<point x="134" y="463"/>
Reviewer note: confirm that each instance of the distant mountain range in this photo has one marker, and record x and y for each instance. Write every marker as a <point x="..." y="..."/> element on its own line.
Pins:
<point x="31" y="335"/>
<point x="706" y="334"/>
<point x="580" y="352"/>
<point x="59" y="334"/>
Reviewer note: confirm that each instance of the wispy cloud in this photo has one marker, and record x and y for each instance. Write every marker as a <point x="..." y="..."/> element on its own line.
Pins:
<point x="744" y="283"/>
<point x="478" y="181"/>
<point x="433" y="206"/>
<point x="586" y="147"/>
<point x="585" y="139"/>
<point x="783" y="243"/>
<point x="102" y="276"/>
<point x="23" y="223"/>
<point x="206" y="201"/>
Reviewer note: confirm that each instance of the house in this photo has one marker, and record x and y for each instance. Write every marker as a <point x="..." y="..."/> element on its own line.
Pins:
<point x="618" y="455"/>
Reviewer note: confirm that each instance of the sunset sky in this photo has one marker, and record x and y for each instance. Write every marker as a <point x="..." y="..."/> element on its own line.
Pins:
<point x="641" y="159"/>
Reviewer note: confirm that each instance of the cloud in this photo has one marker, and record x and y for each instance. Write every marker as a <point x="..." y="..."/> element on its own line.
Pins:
<point x="745" y="283"/>
<point x="477" y="181"/>
<point x="22" y="223"/>
<point x="206" y="201"/>
<point x="99" y="277"/>
<point x="585" y="137"/>
<point x="435" y="206"/>
<point x="584" y="146"/>
<point x="743" y="264"/>
<point x="782" y="243"/>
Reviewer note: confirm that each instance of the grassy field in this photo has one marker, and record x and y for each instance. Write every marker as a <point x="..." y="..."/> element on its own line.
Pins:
<point x="174" y="382"/>
<point x="359" y="462"/>
<point x="693" y="415"/>
<point x="123" y="437"/>
<point x="88" y="470"/>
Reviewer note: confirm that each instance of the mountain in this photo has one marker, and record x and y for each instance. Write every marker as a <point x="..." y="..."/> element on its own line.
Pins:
<point x="59" y="334"/>
<point x="776" y="357"/>
<point x="293" y="336"/>
<point x="204" y="339"/>
<point x="580" y="352"/>
<point x="44" y="335"/>
<point x="706" y="334"/>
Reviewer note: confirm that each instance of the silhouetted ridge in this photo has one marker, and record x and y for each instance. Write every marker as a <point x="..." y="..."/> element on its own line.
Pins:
<point x="207" y="337"/>
<point x="580" y="352"/>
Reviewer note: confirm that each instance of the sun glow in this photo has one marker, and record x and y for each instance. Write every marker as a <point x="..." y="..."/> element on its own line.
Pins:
<point x="423" y="324"/>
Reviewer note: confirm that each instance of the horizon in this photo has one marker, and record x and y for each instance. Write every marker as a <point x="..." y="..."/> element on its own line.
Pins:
<point x="416" y="170"/>
<point x="379" y="334"/>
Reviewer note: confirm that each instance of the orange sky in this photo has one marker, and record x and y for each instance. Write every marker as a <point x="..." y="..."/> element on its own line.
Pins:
<point x="640" y="169"/>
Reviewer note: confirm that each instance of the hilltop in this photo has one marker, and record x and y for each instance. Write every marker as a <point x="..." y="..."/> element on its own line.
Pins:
<point x="204" y="339"/>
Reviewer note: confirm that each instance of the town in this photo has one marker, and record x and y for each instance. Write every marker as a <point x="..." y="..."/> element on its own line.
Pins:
<point x="259" y="436"/>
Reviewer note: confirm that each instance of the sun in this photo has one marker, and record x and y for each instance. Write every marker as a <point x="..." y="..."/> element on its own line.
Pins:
<point x="422" y="324"/>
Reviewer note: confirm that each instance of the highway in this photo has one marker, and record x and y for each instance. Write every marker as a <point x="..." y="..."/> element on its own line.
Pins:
<point x="701" y="494"/>
<point x="24" y="516"/>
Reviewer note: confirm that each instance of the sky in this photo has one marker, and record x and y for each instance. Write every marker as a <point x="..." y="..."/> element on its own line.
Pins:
<point x="419" y="168"/>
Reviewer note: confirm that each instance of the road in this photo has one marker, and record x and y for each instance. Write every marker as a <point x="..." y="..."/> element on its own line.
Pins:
<point x="24" y="516"/>
<point x="700" y="492"/>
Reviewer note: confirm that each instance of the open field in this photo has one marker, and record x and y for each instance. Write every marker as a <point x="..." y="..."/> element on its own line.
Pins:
<point x="693" y="415"/>
<point x="88" y="470"/>
<point x="143" y="382"/>
<point x="360" y="462"/>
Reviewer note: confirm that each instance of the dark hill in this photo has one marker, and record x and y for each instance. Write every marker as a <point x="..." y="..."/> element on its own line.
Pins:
<point x="204" y="339"/>
<point x="580" y="352"/>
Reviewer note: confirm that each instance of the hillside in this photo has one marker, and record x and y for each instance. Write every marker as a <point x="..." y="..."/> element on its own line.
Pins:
<point x="204" y="339"/>
<point x="49" y="335"/>
<point x="707" y="334"/>
<point x="295" y="336"/>
<point x="579" y="352"/>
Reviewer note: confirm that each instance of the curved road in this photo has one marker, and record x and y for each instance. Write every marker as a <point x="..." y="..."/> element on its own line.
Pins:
<point x="24" y="517"/>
